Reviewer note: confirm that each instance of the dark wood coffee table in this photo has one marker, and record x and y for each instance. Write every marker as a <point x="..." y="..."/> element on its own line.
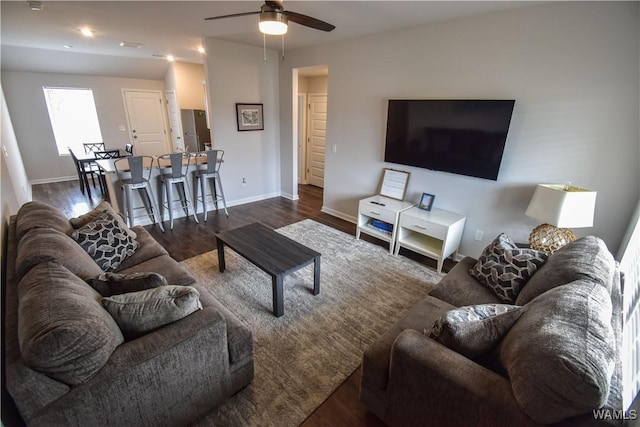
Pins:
<point x="273" y="253"/>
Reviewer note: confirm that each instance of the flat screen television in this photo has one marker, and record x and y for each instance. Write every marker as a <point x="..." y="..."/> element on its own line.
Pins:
<point x="465" y="137"/>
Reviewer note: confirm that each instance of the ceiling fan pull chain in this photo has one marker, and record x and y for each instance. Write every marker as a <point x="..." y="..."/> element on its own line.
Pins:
<point x="283" y="47"/>
<point x="264" y="46"/>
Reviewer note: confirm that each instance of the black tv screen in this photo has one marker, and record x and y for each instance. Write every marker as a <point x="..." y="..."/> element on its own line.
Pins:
<point x="465" y="137"/>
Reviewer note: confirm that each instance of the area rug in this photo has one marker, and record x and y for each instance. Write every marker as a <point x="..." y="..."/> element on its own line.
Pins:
<point x="303" y="356"/>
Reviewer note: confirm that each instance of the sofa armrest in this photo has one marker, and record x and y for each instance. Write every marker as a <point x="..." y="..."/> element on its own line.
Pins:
<point x="146" y="379"/>
<point x="428" y="381"/>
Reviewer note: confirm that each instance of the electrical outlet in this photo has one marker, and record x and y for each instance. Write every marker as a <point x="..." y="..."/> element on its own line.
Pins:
<point x="479" y="235"/>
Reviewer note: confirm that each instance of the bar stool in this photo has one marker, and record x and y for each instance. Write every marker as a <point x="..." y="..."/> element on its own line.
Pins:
<point x="175" y="173"/>
<point x="134" y="173"/>
<point x="209" y="172"/>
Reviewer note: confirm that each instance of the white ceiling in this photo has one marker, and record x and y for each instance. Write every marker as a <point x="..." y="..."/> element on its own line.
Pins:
<point x="35" y="40"/>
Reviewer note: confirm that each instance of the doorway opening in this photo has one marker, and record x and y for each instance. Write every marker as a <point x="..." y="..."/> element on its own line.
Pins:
<point x="310" y="125"/>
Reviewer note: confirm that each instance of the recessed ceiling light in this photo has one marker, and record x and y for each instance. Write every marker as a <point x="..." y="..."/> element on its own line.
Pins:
<point x="36" y="5"/>
<point x="87" y="32"/>
<point x="170" y="58"/>
<point x="201" y="49"/>
<point x="130" y="44"/>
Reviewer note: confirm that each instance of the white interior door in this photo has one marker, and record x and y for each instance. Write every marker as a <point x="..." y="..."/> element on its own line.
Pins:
<point x="316" y="139"/>
<point x="302" y="136"/>
<point x="175" y="126"/>
<point x="146" y="119"/>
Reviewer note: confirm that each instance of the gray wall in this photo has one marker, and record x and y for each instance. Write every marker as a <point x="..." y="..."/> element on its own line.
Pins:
<point x="571" y="67"/>
<point x="31" y="123"/>
<point x="237" y="73"/>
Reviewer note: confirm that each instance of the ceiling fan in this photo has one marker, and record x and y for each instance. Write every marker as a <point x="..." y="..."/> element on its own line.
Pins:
<point x="274" y="19"/>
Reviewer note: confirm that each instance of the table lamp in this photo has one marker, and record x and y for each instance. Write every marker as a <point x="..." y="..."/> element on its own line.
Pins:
<point x="559" y="207"/>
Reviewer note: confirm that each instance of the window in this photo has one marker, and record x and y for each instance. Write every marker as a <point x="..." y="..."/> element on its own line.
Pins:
<point x="73" y="116"/>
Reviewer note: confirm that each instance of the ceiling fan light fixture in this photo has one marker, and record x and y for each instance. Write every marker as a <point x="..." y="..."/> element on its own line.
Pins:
<point x="273" y="23"/>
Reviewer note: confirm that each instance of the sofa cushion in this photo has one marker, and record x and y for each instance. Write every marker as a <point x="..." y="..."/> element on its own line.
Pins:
<point x="148" y="248"/>
<point x="46" y="244"/>
<point x="63" y="330"/>
<point x="137" y="313"/>
<point x="165" y="265"/>
<point x="104" y="206"/>
<point x="108" y="284"/>
<point x="505" y="268"/>
<point x="40" y="215"/>
<point x="584" y="258"/>
<point x="560" y="355"/>
<point x="460" y="288"/>
<point x="476" y="329"/>
<point x="105" y="241"/>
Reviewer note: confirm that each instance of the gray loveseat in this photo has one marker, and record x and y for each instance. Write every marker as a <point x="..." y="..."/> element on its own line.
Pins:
<point x="557" y="363"/>
<point x="86" y="372"/>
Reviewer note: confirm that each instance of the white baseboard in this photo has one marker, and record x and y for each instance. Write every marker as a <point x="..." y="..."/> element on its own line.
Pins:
<point x="339" y="214"/>
<point x="52" y="180"/>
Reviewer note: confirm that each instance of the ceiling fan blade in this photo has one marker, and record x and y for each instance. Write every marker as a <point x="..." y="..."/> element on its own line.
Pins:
<point x="308" y="21"/>
<point x="233" y="15"/>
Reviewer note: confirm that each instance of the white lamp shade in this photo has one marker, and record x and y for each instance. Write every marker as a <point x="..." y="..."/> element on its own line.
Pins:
<point x="563" y="206"/>
<point x="273" y="23"/>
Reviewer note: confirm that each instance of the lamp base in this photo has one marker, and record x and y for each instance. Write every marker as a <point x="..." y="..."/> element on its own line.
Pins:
<point x="549" y="238"/>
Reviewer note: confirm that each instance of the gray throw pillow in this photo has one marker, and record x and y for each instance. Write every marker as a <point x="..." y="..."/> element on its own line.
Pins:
<point x="114" y="283"/>
<point x="104" y="206"/>
<point x="505" y="268"/>
<point x="105" y="241"/>
<point x="475" y="329"/>
<point x="137" y="313"/>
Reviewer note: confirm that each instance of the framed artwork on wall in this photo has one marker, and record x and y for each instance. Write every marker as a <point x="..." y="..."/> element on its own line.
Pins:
<point x="250" y="117"/>
<point x="426" y="202"/>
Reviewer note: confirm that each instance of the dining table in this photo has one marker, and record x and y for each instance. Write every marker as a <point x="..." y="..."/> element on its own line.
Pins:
<point x="84" y="161"/>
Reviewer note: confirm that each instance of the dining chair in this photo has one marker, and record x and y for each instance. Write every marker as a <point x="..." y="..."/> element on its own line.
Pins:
<point x="91" y="147"/>
<point x="128" y="148"/>
<point x="134" y="173"/>
<point x="107" y="154"/>
<point x="173" y="172"/>
<point x="86" y="169"/>
<point x="208" y="165"/>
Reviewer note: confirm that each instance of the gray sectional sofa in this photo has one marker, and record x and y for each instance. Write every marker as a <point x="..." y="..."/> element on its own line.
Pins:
<point x="68" y="363"/>
<point x="554" y="363"/>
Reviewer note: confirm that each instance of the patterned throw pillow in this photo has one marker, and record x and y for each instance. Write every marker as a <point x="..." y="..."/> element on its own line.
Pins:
<point x="105" y="241"/>
<point x="475" y="329"/>
<point x="505" y="268"/>
<point x="137" y="313"/>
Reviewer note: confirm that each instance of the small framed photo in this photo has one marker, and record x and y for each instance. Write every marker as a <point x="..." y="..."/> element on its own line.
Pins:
<point x="426" y="201"/>
<point x="250" y="117"/>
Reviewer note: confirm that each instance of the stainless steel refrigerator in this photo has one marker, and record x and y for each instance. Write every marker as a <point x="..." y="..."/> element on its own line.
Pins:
<point x="196" y="134"/>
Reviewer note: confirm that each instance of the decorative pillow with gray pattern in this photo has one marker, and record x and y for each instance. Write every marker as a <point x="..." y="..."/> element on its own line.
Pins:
<point x="475" y="329"/>
<point x="505" y="268"/>
<point x="105" y="241"/>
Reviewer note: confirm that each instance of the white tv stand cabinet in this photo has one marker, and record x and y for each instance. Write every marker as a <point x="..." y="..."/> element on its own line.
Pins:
<point x="435" y="234"/>
<point x="384" y="209"/>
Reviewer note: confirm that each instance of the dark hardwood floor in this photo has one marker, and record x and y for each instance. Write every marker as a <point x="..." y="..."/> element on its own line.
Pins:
<point x="188" y="239"/>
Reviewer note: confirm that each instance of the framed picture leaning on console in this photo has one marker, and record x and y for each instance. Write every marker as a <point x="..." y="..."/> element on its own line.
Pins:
<point x="426" y="202"/>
